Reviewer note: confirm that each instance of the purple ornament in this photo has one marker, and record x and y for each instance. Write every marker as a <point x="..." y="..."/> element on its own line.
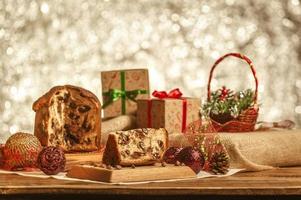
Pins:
<point x="192" y="158"/>
<point x="170" y="154"/>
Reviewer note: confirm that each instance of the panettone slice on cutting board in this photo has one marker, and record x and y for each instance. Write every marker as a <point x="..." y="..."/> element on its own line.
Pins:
<point x="135" y="147"/>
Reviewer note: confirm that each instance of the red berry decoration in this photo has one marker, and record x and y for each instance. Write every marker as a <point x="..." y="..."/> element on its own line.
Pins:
<point x="224" y="93"/>
<point x="170" y="154"/>
<point x="192" y="158"/>
<point x="21" y="151"/>
<point x="52" y="160"/>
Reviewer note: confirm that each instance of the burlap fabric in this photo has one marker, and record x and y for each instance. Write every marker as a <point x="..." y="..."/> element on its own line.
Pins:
<point x="263" y="150"/>
<point x="257" y="151"/>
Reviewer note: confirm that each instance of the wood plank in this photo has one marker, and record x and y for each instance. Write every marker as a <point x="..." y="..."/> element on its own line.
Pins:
<point x="282" y="181"/>
<point x="82" y="158"/>
<point x="127" y="174"/>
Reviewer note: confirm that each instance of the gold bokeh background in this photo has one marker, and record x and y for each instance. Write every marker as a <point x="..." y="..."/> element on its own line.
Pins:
<point x="47" y="43"/>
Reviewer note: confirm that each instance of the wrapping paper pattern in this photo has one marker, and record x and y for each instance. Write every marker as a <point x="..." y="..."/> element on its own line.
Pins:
<point x="135" y="79"/>
<point x="167" y="113"/>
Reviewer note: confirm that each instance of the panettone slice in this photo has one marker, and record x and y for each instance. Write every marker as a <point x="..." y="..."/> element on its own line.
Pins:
<point x="135" y="147"/>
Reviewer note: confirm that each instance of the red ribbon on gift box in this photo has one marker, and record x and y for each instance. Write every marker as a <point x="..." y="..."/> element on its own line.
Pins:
<point x="173" y="94"/>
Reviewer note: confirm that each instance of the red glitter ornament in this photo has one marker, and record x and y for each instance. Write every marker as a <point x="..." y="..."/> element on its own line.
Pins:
<point x="52" y="160"/>
<point x="21" y="151"/>
<point x="192" y="158"/>
<point x="170" y="155"/>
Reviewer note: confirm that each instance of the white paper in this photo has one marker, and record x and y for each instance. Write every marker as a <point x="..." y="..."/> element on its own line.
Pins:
<point x="62" y="176"/>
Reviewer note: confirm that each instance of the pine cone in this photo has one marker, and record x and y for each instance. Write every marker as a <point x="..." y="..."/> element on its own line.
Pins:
<point x="218" y="163"/>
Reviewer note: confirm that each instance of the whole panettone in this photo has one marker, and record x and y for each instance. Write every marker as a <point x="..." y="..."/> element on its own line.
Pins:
<point x="21" y="150"/>
<point x="69" y="117"/>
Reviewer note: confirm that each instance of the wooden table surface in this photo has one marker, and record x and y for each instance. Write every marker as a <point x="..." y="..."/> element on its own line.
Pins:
<point x="284" y="181"/>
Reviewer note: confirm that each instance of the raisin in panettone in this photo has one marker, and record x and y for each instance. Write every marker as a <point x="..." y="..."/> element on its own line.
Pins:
<point x="135" y="147"/>
<point x="69" y="117"/>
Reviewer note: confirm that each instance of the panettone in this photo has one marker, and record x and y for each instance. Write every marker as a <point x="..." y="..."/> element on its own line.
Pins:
<point x="68" y="117"/>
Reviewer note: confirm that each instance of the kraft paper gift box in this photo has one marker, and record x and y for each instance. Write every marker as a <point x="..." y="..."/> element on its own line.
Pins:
<point x="173" y="114"/>
<point x="121" y="88"/>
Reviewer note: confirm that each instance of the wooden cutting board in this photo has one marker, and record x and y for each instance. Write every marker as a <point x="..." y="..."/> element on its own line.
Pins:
<point x="126" y="174"/>
<point x="82" y="158"/>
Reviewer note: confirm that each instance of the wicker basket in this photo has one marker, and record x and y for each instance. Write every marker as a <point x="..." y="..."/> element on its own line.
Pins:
<point x="246" y="121"/>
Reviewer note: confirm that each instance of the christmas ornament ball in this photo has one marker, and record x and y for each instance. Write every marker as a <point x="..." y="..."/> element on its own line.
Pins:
<point x="192" y="158"/>
<point x="169" y="155"/>
<point x="21" y="150"/>
<point x="52" y="160"/>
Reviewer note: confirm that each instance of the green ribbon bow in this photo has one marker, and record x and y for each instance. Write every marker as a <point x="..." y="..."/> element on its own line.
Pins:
<point x="115" y="94"/>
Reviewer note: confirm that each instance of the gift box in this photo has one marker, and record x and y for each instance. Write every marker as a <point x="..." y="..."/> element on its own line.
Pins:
<point x="121" y="89"/>
<point x="168" y="110"/>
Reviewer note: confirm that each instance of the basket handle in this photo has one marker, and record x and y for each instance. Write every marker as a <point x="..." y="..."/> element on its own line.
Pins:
<point x="238" y="55"/>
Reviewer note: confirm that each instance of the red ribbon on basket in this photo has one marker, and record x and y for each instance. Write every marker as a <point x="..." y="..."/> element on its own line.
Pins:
<point x="173" y="94"/>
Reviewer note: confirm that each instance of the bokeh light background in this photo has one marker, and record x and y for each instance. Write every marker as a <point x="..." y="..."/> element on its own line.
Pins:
<point x="48" y="43"/>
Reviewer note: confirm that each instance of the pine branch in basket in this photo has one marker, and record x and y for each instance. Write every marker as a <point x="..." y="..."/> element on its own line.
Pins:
<point x="225" y="105"/>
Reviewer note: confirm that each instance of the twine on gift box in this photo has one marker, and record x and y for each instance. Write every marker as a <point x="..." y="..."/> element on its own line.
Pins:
<point x="173" y="94"/>
<point x="115" y="94"/>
